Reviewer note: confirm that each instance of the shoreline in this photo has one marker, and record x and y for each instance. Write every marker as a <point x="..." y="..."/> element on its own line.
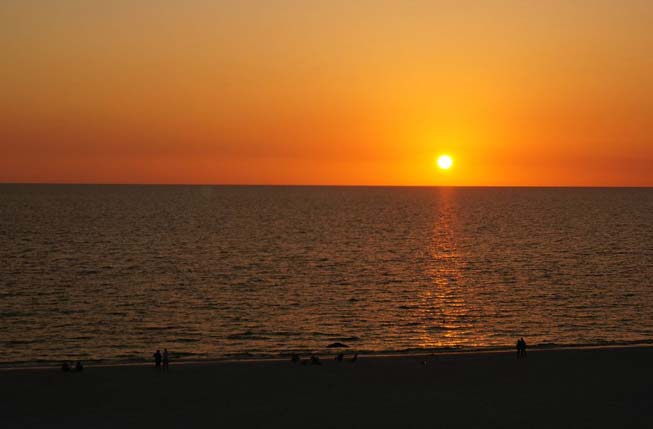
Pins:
<point x="50" y="365"/>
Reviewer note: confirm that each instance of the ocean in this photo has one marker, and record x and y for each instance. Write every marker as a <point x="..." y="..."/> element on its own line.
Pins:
<point x="112" y="273"/>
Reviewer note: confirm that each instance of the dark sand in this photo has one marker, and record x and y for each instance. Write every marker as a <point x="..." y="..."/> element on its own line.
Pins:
<point x="608" y="388"/>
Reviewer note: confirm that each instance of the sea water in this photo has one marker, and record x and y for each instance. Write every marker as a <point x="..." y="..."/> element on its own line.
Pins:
<point x="111" y="273"/>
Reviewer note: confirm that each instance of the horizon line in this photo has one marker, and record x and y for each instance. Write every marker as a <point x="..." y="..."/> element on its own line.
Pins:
<point x="309" y="185"/>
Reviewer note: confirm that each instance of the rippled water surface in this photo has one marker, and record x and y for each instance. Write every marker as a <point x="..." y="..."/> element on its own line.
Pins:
<point x="113" y="272"/>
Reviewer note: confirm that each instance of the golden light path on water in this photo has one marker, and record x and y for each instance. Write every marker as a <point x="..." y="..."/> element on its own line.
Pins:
<point x="443" y="302"/>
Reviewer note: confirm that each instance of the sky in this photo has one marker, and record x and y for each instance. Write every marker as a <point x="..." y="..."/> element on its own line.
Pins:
<point x="555" y="93"/>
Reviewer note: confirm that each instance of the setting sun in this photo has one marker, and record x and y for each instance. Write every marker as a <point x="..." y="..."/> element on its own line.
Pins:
<point x="444" y="162"/>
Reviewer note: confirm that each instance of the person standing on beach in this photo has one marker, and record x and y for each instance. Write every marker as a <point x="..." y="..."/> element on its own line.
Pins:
<point x="157" y="359"/>
<point x="521" y="348"/>
<point x="166" y="359"/>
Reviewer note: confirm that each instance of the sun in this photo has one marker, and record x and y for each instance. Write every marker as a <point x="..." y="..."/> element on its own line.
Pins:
<point x="444" y="162"/>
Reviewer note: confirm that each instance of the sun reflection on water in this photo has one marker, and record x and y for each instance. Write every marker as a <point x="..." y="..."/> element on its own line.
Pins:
<point x="443" y="309"/>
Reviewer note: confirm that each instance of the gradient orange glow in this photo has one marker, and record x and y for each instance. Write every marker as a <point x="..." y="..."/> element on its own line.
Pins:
<point x="327" y="92"/>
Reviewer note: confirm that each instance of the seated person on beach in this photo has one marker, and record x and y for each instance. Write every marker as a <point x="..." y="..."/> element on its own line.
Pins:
<point x="79" y="367"/>
<point x="315" y="360"/>
<point x="354" y="359"/>
<point x="294" y="358"/>
<point x="340" y="357"/>
<point x="65" y="367"/>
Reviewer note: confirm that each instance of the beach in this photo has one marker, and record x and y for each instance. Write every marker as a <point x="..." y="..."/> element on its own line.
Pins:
<point x="593" y="388"/>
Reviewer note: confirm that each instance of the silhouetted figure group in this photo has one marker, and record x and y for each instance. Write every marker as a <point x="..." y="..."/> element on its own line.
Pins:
<point x="521" y="349"/>
<point x="315" y="359"/>
<point x="67" y="367"/>
<point x="312" y="360"/>
<point x="161" y="358"/>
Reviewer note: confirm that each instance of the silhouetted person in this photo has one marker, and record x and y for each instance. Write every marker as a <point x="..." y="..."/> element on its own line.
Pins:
<point x="79" y="367"/>
<point x="521" y="349"/>
<point x="315" y="360"/>
<point x="166" y="359"/>
<point x="354" y="359"/>
<point x="294" y="358"/>
<point x="65" y="367"/>
<point x="340" y="357"/>
<point x="157" y="359"/>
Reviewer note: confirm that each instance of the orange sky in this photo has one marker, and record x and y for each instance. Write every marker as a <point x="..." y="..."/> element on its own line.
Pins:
<point x="327" y="92"/>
